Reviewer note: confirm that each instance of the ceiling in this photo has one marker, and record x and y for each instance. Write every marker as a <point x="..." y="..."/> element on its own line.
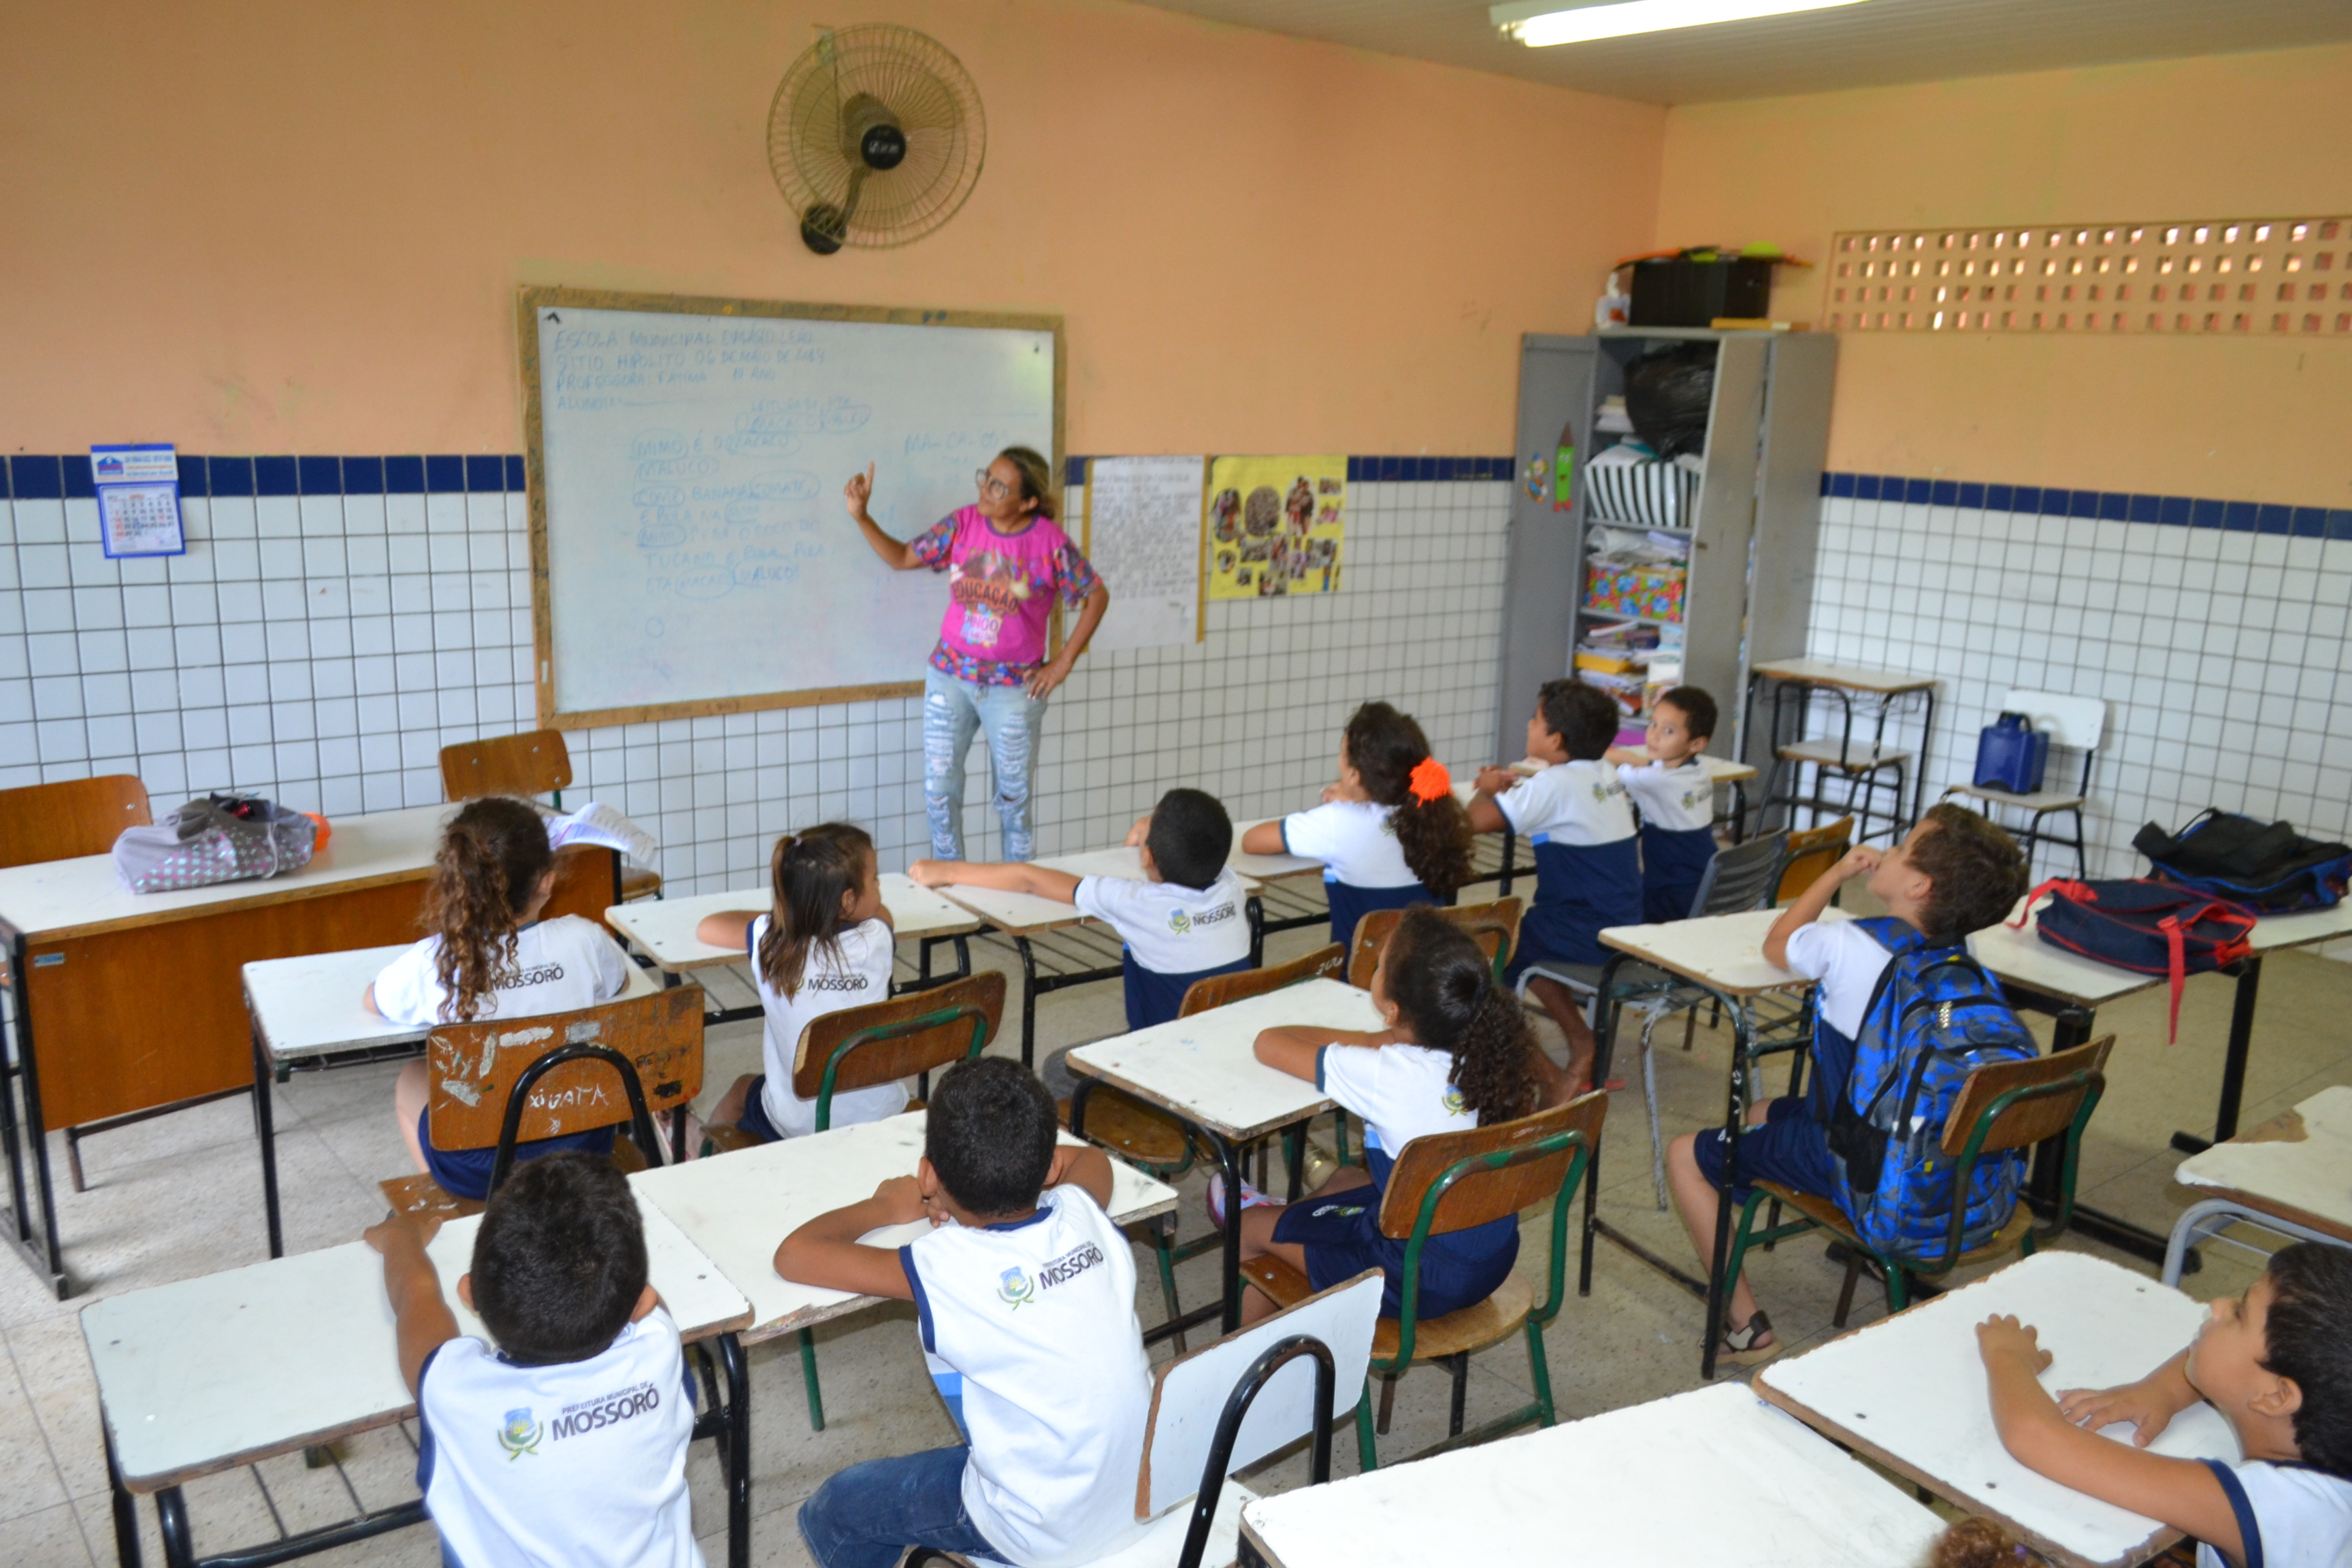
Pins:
<point x="1875" y="44"/>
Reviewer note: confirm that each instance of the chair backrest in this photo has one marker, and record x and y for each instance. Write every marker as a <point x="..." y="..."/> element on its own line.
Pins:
<point x="1744" y="876"/>
<point x="884" y="1041"/>
<point x="1323" y="963"/>
<point x="2066" y="719"/>
<point x="1494" y="926"/>
<point x="68" y="819"/>
<point x="534" y="763"/>
<point x="1189" y="1394"/>
<point x="1810" y="853"/>
<point x="474" y="1068"/>
<point x="2032" y="1117"/>
<point x="1503" y="1184"/>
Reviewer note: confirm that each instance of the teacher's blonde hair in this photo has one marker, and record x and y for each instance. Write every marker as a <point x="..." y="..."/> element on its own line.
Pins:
<point x="1036" y="479"/>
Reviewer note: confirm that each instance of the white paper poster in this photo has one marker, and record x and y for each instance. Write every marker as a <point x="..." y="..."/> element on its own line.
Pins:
<point x="138" y="500"/>
<point x="1143" y="535"/>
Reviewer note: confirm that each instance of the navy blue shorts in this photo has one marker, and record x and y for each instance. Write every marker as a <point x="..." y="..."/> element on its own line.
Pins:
<point x="466" y="1173"/>
<point x="1790" y="1149"/>
<point x="1341" y="1235"/>
<point x="754" y="1118"/>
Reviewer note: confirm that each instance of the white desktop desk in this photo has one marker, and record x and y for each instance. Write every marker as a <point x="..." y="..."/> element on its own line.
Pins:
<point x="2291" y="1174"/>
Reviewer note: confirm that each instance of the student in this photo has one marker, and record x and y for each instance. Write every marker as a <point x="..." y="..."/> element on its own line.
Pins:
<point x="1024" y="1294"/>
<point x="1006" y="560"/>
<point x="2276" y="1362"/>
<point x="564" y="1443"/>
<point x="1457" y="1054"/>
<point x="1188" y="923"/>
<point x="1977" y="1542"/>
<point x="826" y="943"/>
<point x="492" y="957"/>
<point x="1955" y="873"/>
<point x="1677" y="800"/>
<point x="1576" y="816"/>
<point x="1390" y="833"/>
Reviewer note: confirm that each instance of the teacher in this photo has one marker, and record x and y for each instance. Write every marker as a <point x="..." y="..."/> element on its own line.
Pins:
<point x="1005" y="560"/>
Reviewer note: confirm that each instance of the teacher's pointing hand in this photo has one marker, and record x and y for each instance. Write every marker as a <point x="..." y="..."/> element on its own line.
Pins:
<point x="859" y="492"/>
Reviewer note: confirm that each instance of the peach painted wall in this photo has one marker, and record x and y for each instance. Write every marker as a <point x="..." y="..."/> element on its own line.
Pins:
<point x="298" y="227"/>
<point x="2253" y="418"/>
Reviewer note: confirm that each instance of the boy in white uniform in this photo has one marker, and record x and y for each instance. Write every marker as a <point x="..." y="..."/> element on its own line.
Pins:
<point x="1189" y="921"/>
<point x="1025" y="1297"/>
<point x="565" y="1445"/>
<point x="1677" y="800"/>
<point x="2276" y="1362"/>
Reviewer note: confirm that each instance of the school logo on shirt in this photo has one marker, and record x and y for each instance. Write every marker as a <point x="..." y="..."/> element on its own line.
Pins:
<point x="834" y="982"/>
<point x="1179" y="923"/>
<point x="1015" y="1288"/>
<point x="538" y="975"/>
<point x="521" y="1434"/>
<point x="1693" y="798"/>
<point x="1454" y="1102"/>
<point x="605" y="1410"/>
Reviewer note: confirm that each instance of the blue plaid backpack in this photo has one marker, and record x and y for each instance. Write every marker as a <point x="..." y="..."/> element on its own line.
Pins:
<point x="1934" y="1017"/>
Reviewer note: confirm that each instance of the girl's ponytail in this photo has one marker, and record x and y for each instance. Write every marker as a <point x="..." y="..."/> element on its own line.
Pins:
<point x="1391" y="756"/>
<point x="1444" y="986"/>
<point x="490" y="861"/>
<point x="808" y="874"/>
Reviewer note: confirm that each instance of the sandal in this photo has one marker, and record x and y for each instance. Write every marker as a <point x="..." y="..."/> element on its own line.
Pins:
<point x="1740" y="1344"/>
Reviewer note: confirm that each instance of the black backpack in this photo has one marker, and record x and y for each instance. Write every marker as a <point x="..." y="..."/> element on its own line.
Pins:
<point x="2271" y="868"/>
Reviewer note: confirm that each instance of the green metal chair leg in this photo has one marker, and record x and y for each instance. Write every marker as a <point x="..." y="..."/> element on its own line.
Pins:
<point x="1164" y="1253"/>
<point x="1898" y="1287"/>
<point x="1540" y="1371"/>
<point x="808" y="1380"/>
<point x="1739" y="1241"/>
<point x="1367" y="1458"/>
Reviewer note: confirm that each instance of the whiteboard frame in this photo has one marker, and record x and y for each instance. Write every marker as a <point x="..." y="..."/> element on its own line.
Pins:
<point x="530" y="297"/>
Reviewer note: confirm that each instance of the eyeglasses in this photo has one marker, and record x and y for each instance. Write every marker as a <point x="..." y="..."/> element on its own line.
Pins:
<point x="990" y="485"/>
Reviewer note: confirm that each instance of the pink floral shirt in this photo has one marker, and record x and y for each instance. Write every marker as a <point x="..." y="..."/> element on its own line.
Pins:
<point x="1001" y="589"/>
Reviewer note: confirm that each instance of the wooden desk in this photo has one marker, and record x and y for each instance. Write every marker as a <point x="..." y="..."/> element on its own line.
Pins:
<point x="307" y="1016"/>
<point x="207" y="1374"/>
<point x="1880" y="687"/>
<point x="1088" y="950"/>
<point x="1909" y="1392"/>
<point x="127" y="1003"/>
<point x="1698" y="1480"/>
<point x="2291" y="1175"/>
<point x="1202" y="1071"/>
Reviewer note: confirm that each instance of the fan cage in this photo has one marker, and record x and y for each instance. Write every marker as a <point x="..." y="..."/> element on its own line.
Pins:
<point x="934" y="101"/>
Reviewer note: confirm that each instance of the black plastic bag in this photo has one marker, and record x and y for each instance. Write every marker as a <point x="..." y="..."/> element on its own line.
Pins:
<point x="1667" y="395"/>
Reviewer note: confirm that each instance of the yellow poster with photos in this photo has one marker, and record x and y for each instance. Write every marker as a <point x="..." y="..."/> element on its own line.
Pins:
<point x="1274" y="526"/>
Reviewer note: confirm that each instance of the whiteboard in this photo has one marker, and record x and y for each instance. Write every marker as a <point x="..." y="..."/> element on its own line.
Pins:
<point x="690" y="550"/>
<point x="1143" y="539"/>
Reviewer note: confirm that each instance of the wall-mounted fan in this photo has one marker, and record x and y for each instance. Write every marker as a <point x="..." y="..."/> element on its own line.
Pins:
<point x="876" y="137"/>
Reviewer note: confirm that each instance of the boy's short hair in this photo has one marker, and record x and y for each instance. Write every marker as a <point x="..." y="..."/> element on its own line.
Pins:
<point x="1697" y="708"/>
<point x="1975" y="868"/>
<point x="2308" y="1338"/>
<point x="1189" y="837"/>
<point x="1584" y="717"/>
<point x="559" y="1260"/>
<point x="988" y="1133"/>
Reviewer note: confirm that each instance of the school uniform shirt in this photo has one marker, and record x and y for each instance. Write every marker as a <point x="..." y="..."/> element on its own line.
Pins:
<point x="560" y="966"/>
<point x="1579" y="820"/>
<point x="578" y="1465"/>
<point x="2287" y="1514"/>
<point x="1172" y="935"/>
<point x="1363" y="863"/>
<point x="860" y="975"/>
<point x="1677" y="807"/>
<point x="1030" y="1332"/>
<point x="1001" y="589"/>
<point x="1843" y="960"/>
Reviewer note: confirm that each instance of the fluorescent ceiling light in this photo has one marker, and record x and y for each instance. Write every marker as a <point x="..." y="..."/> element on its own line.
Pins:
<point x="1544" y="22"/>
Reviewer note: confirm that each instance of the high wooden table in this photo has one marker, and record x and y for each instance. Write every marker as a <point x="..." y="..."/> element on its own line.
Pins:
<point x="2293" y="1175"/>
<point x="126" y="1004"/>
<point x="208" y="1374"/>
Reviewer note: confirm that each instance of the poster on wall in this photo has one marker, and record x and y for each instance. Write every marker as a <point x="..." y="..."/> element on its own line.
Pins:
<point x="1274" y="526"/>
<point x="1143" y="536"/>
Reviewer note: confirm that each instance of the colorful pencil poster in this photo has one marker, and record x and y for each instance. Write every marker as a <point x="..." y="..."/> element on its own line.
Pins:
<point x="1274" y="526"/>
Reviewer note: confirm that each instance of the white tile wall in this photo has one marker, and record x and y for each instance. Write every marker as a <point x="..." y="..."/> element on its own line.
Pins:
<point x="2222" y="656"/>
<point x="322" y="650"/>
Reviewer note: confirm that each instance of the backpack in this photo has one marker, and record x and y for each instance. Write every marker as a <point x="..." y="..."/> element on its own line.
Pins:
<point x="216" y="838"/>
<point x="2148" y="928"/>
<point x="1934" y="1017"/>
<point x="2269" y="869"/>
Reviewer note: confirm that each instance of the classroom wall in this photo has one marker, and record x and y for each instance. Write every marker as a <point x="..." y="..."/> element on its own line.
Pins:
<point x="2256" y="418"/>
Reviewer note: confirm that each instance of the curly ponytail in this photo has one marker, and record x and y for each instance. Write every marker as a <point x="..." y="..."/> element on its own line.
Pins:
<point x="492" y="856"/>
<point x="1384" y="746"/>
<point x="1445" y="988"/>
<point x="809" y="874"/>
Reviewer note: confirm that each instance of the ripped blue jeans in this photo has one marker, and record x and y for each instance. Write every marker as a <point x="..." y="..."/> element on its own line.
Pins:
<point x="1011" y="719"/>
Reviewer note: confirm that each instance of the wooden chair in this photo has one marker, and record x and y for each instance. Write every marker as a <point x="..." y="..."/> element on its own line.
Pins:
<point x="1494" y="926"/>
<point x="534" y="763"/>
<point x="1226" y="1406"/>
<point x="2001" y="1107"/>
<point x="508" y="1080"/>
<point x="1452" y="1181"/>
<point x="1810" y="854"/>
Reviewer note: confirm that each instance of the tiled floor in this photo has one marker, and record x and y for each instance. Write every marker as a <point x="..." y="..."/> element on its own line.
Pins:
<point x="180" y="1196"/>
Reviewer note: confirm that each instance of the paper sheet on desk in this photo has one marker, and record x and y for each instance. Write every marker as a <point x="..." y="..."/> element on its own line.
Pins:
<point x="597" y="823"/>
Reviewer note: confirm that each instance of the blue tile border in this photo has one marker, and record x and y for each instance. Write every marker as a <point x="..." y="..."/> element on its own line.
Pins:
<point x="1415" y="470"/>
<point x="2107" y="505"/>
